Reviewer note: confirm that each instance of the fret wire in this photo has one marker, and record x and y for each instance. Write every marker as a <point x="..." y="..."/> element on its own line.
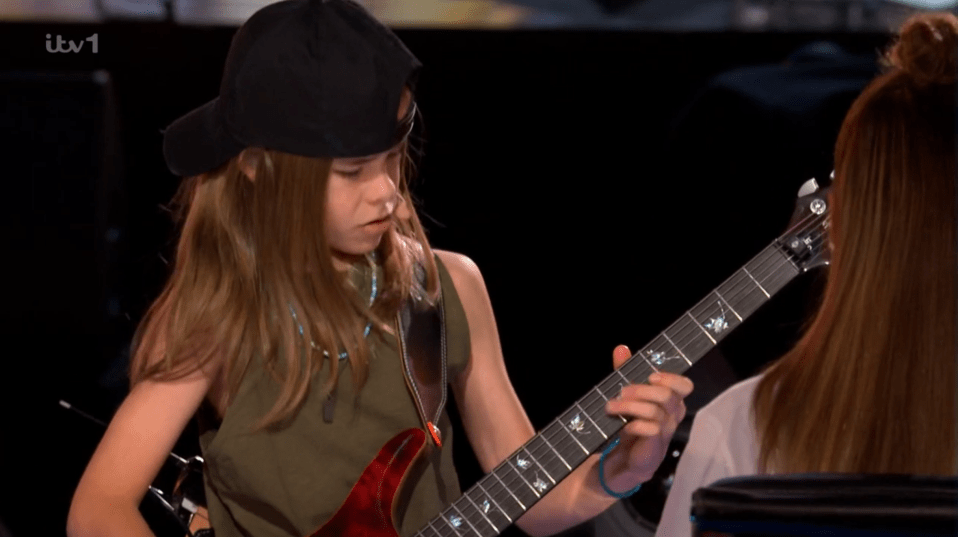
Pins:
<point x="756" y="283"/>
<point x="596" y="425"/>
<point x="493" y="500"/>
<point x="556" y="451"/>
<point x="765" y="259"/>
<point x="659" y="346"/>
<point x="737" y="290"/>
<point x="680" y="328"/>
<point x="522" y="507"/>
<point x="736" y="282"/>
<point x="644" y="357"/>
<point x="687" y="335"/>
<point x="537" y="463"/>
<point x="594" y="408"/>
<point x="517" y="485"/>
<point x="602" y="395"/>
<point x="608" y="424"/>
<point x="636" y="366"/>
<point x="715" y="313"/>
<point x="676" y="347"/>
<point x="549" y="453"/>
<point x="540" y="454"/>
<point x="497" y="498"/>
<point x="437" y="532"/>
<point x="596" y="404"/>
<point x="562" y="443"/>
<point x="464" y="517"/>
<point x="523" y="478"/>
<point x="584" y="449"/>
<point x="516" y="481"/>
<point x="494" y="528"/>
<point x="729" y="306"/>
<point x="455" y="530"/>
<point x="775" y="271"/>
<point x="569" y="439"/>
<point x="514" y="497"/>
<point x="752" y="294"/>
<point x="779" y="277"/>
<point x="615" y="383"/>
<point x="702" y="328"/>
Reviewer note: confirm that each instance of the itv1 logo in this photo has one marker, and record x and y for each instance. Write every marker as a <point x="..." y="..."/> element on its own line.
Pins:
<point x="72" y="46"/>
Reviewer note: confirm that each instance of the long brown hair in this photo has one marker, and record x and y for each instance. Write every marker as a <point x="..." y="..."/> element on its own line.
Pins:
<point x="870" y="387"/>
<point x="248" y="251"/>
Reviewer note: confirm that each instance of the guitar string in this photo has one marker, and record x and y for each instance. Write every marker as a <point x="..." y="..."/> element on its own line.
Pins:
<point x="678" y="330"/>
<point x="628" y="369"/>
<point x="761" y="273"/>
<point x="555" y="451"/>
<point x="464" y="510"/>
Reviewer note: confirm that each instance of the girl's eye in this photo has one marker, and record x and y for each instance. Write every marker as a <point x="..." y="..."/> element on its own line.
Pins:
<point x="350" y="173"/>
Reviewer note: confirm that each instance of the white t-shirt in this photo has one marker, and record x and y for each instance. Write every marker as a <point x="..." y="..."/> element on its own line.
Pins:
<point x="722" y="444"/>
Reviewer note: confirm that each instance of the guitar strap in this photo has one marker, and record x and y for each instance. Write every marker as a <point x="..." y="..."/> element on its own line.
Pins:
<point x="422" y="349"/>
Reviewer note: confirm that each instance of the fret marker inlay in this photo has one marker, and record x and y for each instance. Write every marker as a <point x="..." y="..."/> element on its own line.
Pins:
<point x="659" y="358"/>
<point x="718" y="324"/>
<point x="543" y="462"/>
<point x="578" y="425"/>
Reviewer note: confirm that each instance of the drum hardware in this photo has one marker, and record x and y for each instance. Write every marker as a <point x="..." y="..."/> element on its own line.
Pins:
<point x="187" y="500"/>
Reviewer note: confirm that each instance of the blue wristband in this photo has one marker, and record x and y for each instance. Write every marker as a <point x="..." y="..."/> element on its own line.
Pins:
<point x="605" y="487"/>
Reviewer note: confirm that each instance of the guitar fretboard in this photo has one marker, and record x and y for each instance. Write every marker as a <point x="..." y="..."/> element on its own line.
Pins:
<point x="507" y="492"/>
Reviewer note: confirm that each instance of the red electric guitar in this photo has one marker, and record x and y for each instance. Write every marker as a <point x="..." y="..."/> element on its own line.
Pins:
<point x="507" y="492"/>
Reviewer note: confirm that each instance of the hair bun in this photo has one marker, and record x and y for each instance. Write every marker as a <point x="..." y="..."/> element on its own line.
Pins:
<point x="926" y="48"/>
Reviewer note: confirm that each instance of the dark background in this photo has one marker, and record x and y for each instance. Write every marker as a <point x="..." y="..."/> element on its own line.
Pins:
<point x="603" y="182"/>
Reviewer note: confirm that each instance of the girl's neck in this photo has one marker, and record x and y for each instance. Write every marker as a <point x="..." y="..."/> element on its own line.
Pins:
<point x="343" y="262"/>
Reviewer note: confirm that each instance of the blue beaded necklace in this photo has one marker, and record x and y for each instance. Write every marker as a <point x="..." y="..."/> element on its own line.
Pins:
<point x="372" y="298"/>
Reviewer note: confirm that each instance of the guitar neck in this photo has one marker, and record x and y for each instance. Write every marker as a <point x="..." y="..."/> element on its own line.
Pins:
<point x="507" y="492"/>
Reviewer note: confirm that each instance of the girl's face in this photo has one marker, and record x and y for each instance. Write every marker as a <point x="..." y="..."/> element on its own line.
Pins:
<point x="363" y="199"/>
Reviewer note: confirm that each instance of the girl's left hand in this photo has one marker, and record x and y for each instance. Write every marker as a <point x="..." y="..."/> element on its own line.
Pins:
<point x="654" y="411"/>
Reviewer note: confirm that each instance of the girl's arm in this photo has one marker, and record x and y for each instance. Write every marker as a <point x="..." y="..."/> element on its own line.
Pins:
<point x="130" y="455"/>
<point x="497" y="425"/>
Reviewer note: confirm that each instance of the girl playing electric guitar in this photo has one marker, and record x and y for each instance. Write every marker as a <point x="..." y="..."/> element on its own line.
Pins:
<point x="299" y="246"/>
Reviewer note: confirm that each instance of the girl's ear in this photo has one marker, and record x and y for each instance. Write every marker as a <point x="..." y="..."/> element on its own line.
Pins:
<point x="249" y="160"/>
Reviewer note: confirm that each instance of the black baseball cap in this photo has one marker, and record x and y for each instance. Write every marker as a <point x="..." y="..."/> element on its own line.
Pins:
<point x="316" y="78"/>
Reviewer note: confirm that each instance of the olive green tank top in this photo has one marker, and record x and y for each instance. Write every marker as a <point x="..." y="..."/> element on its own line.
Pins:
<point x="288" y="483"/>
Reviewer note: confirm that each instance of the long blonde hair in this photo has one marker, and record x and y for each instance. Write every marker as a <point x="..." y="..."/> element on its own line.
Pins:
<point x="247" y="252"/>
<point x="870" y="387"/>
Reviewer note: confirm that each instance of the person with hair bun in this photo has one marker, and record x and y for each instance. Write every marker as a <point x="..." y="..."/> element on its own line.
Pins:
<point x="870" y="386"/>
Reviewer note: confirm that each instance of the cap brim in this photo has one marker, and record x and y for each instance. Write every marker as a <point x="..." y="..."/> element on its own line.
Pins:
<point x="198" y="142"/>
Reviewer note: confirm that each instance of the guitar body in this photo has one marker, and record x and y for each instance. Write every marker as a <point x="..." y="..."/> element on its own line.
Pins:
<point x="369" y="507"/>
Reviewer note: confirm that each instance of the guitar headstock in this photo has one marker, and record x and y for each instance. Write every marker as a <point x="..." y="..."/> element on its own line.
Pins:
<point x="806" y="240"/>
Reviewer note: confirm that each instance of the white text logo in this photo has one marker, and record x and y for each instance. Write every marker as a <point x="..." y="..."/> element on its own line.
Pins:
<point x="70" y="45"/>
